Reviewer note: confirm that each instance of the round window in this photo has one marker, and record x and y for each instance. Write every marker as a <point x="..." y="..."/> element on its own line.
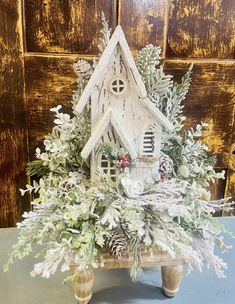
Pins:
<point x="117" y="85"/>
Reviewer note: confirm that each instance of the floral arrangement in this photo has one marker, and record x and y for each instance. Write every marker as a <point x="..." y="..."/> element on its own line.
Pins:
<point x="75" y="219"/>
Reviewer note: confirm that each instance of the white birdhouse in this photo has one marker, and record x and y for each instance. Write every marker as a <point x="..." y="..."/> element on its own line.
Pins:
<point x="121" y="113"/>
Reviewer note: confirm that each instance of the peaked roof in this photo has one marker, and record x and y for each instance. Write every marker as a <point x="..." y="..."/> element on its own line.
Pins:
<point x="118" y="37"/>
<point x="108" y="117"/>
<point x="157" y="114"/>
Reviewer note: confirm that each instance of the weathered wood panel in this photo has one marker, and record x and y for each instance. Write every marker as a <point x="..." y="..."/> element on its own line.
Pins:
<point x="143" y="22"/>
<point x="201" y="28"/>
<point x="232" y="142"/>
<point x="210" y="99"/>
<point x="218" y="187"/>
<point x="230" y="185"/>
<point x="49" y="81"/>
<point x="230" y="181"/>
<point x="230" y="189"/>
<point x="13" y="129"/>
<point x="66" y="26"/>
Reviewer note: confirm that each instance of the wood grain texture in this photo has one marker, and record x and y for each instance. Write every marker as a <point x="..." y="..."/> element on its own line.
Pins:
<point x="217" y="188"/>
<point x="171" y="270"/>
<point x="171" y="278"/>
<point x="82" y="286"/>
<point x="49" y="82"/>
<point x="143" y="22"/>
<point x="211" y="100"/>
<point x="66" y="26"/>
<point x="232" y="142"/>
<point x="230" y="189"/>
<point x="13" y="129"/>
<point x="230" y="180"/>
<point x="201" y="28"/>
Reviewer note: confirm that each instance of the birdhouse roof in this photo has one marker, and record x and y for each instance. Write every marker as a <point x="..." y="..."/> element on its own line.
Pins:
<point x="118" y="38"/>
<point x="108" y="118"/>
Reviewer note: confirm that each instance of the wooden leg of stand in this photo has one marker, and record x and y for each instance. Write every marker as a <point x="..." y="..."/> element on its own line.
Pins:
<point x="82" y="286"/>
<point x="171" y="278"/>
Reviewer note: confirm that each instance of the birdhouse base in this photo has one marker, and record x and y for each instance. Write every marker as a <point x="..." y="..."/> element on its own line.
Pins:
<point x="171" y="271"/>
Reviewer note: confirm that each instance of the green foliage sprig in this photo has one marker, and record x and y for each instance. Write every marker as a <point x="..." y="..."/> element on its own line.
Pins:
<point x="37" y="168"/>
<point x="166" y="94"/>
<point x="105" y="34"/>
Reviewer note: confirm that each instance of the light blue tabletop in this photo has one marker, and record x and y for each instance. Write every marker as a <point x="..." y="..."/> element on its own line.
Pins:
<point x="114" y="286"/>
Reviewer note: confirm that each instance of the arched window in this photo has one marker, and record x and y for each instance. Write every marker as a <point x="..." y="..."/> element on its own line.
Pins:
<point x="108" y="167"/>
<point x="148" y="148"/>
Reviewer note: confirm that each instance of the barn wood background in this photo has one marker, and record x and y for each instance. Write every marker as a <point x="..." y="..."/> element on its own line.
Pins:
<point x="40" y="39"/>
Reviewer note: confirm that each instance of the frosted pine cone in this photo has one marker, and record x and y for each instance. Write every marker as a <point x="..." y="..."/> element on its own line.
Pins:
<point x="82" y="68"/>
<point x="117" y="246"/>
<point x="165" y="165"/>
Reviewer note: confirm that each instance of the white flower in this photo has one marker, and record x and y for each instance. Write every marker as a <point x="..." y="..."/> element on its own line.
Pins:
<point x="132" y="188"/>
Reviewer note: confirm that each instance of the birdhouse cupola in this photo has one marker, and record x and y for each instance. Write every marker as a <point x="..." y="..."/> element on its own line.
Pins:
<point x="121" y="113"/>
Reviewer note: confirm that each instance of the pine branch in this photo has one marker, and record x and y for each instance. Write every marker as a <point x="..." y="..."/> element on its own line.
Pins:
<point x="171" y="102"/>
<point x="147" y="60"/>
<point x="105" y="34"/>
<point x="36" y="168"/>
<point x="162" y="91"/>
<point x="183" y="87"/>
<point x="160" y="82"/>
<point x="83" y="69"/>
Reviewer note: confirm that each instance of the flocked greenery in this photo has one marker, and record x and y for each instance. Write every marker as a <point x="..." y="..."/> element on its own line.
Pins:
<point x="73" y="218"/>
<point x="119" y="157"/>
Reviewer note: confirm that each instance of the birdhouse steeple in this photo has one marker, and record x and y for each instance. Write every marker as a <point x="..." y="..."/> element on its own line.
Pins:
<point x="121" y="113"/>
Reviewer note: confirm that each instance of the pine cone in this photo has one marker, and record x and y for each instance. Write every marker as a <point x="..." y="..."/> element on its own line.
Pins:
<point x="117" y="245"/>
<point x="165" y="164"/>
<point x="82" y="68"/>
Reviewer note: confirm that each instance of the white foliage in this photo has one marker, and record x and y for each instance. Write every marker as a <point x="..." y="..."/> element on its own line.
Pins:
<point x="111" y="215"/>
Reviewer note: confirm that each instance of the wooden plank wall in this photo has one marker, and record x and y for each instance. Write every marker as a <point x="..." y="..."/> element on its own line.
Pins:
<point x="13" y="126"/>
<point x="40" y="39"/>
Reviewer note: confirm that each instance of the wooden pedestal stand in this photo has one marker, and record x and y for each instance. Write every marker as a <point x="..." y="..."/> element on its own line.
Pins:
<point x="171" y="271"/>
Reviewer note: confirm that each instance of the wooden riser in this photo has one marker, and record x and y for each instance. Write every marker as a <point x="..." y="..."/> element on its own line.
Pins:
<point x="171" y="271"/>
